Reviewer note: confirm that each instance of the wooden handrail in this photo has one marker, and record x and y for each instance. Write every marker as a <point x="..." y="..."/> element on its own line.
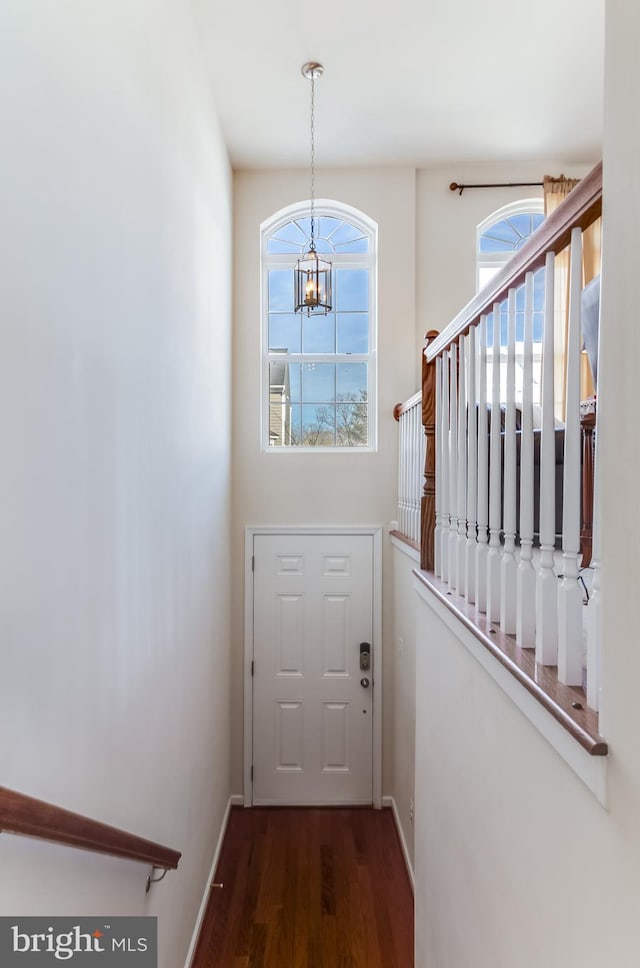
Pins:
<point x="21" y="814"/>
<point x="581" y="207"/>
<point x="401" y="408"/>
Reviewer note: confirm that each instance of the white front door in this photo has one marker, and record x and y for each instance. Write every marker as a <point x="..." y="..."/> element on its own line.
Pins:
<point x="312" y="701"/>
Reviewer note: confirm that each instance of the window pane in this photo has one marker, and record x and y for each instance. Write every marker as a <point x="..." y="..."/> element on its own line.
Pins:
<point x="351" y="424"/>
<point x="327" y="226"/>
<point x="358" y="245"/>
<point x="352" y="289"/>
<point x="284" y="381"/>
<point x="538" y="327"/>
<point x="493" y="245"/>
<point x="295" y="382"/>
<point x="281" y="290"/>
<point x="353" y="333"/>
<point x="304" y="224"/>
<point x="346" y="233"/>
<point x="318" y="425"/>
<point x="503" y="231"/>
<point x="290" y="233"/>
<point x="275" y="245"/>
<point x="319" y="334"/>
<point x="318" y="382"/>
<point x="522" y="224"/>
<point x="284" y="333"/>
<point x="351" y="379"/>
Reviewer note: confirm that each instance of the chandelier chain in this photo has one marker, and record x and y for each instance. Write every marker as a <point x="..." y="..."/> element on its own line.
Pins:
<point x="313" y="157"/>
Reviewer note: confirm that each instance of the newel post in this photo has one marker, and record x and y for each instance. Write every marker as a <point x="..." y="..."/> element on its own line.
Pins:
<point x="428" y="502"/>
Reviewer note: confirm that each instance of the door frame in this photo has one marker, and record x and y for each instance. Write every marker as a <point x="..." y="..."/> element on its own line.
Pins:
<point x="375" y="531"/>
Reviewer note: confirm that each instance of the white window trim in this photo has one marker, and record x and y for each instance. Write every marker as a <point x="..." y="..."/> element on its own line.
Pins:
<point x="342" y="260"/>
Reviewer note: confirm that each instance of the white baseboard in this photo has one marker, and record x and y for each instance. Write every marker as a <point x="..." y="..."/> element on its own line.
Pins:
<point x="233" y="801"/>
<point x="390" y="802"/>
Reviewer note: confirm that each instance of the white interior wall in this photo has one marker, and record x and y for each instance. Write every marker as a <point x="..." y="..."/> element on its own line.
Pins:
<point x="516" y="862"/>
<point x="314" y="488"/>
<point x="404" y="693"/>
<point x="114" y="420"/>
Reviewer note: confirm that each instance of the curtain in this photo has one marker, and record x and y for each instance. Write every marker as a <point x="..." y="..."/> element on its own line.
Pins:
<point x="555" y="191"/>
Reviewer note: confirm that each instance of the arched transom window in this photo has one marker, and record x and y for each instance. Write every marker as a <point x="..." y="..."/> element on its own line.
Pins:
<point x="319" y="370"/>
<point x="499" y="237"/>
<point x="503" y="233"/>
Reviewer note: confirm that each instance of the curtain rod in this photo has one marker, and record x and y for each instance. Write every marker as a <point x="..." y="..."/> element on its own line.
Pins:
<point x="455" y="187"/>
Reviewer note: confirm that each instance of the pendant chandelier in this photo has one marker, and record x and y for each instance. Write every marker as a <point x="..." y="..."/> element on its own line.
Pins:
<point x="312" y="275"/>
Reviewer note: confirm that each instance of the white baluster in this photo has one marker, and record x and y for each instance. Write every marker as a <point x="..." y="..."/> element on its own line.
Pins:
<point x="412" y="468"/>
<point x="462" y="469"/>
<point x="472" y="469"/>
<point x="419" y="468"/>
<point x="405" y="458"/>
<point x="546" y="582"/>
<point x="508" y="566"/>
<point x="526" y="611"/>
<point x="594" y="608"/>
<point x="453" y="468"/>
<point x="495" y="479"/>
<point x="437" y="550"/>
<point x="569" y="591"/>
<point x="414" y="471"/>
<point x="445" y="496"/>
<point x="407" y="472"/>
<point x="483" y="472"/>
<point x="401" y="477"/>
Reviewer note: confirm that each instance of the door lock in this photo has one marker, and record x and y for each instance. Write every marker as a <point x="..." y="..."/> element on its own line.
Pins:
<point x="365" y="656"/>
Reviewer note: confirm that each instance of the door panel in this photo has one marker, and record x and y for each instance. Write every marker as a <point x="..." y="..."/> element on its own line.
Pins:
<point x="312" y="718"/>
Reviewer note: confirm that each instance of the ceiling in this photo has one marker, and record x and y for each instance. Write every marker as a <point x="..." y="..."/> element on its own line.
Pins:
<point x="407" y="82"/>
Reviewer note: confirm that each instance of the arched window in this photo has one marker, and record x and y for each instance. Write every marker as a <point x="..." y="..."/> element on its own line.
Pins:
<point x="499" y="236"/>
<point x="319" y="372"/>
<point x="503" y="233"/>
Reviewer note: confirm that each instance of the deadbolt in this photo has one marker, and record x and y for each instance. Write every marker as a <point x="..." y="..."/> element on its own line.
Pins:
<point x="364" y="682"/>
<point x="365" y="656"/>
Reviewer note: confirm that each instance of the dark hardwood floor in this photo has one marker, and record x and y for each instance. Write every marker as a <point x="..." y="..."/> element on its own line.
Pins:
<point x="308" y="887"/>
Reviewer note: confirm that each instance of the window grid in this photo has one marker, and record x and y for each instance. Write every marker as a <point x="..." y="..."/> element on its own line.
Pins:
<point x="319" y="371"/>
